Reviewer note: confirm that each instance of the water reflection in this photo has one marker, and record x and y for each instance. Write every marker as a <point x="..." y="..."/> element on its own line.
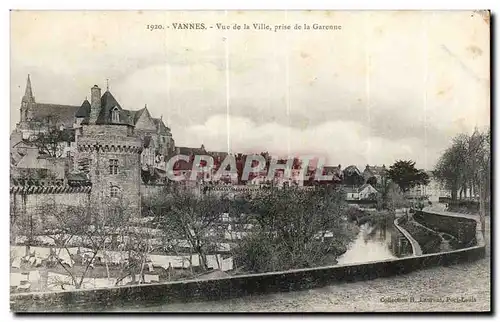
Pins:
<point x="372" y="243"/>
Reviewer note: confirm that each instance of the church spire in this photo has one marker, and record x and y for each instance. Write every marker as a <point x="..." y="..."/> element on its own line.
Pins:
<point x="27" y="102"/>
<point x="28" y="92"/>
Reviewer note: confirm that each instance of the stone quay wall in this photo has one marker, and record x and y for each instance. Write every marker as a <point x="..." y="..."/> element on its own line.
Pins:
<point x="459" y="226"/>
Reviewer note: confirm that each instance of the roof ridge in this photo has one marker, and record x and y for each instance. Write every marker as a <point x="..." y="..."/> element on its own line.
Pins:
<point x="54" y="104"/>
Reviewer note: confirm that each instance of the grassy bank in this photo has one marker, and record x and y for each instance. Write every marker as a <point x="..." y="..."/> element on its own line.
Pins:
<point x="429" y="241"/>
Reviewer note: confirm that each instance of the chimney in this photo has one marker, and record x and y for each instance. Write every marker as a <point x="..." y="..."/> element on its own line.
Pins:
<point x="95" y="103"/>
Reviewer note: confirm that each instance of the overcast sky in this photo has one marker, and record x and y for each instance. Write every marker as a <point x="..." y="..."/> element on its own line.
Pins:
<point x="389" y="85"/>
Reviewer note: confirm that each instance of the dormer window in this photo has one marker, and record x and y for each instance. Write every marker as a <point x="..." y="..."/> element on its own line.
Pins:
<point x="115" y="115"/>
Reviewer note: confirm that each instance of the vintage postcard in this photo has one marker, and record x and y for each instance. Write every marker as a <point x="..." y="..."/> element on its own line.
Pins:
<point x="250" y="161"/>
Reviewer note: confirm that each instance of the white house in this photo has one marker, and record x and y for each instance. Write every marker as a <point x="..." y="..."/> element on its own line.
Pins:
<point x="362" y="193"/>
<point x="366" y="190"/>
<point x="351" y="193"/>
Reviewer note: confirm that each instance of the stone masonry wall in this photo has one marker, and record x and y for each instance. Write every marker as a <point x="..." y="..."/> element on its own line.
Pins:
<point x="461" y="228"/>
<point x="102" y="143"/>
<point x="25" y="204"/>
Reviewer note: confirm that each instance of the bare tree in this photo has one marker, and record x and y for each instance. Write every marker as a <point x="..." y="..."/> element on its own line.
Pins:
<point x="192" y="218"/>
<point x="48" y="137"/>
<point x="466" y="166"/>
<point x="87" y="225"/>
<point x="136" y="244"/>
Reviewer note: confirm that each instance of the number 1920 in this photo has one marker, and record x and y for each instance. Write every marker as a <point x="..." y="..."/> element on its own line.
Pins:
<point x="154" y="27"/>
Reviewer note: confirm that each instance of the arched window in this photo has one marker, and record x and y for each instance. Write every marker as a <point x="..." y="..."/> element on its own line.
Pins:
<point x="115" y="115"/>
<point x="114" y="192"/>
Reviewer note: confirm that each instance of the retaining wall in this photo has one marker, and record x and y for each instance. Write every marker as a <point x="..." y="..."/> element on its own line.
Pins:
<point x="415" y="246"/>
<point x="237" y="286"/>
<point x="459" y="226"/>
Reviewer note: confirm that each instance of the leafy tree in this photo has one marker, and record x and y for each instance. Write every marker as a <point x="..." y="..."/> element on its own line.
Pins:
<point x="372" y="181"/>
<point x="295" y="229"/>
<point x="465" y="166"/>
<point x="406" y="176"/>
<point x="448" y="168"/>
<point x="390" y="197"/>
<point x="483" y="176"/>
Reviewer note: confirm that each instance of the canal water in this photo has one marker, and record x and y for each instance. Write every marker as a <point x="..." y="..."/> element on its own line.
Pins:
<point x="373" y="243"/>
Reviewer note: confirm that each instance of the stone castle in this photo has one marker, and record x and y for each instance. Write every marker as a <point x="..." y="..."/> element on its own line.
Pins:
<point x="105" y="145"/>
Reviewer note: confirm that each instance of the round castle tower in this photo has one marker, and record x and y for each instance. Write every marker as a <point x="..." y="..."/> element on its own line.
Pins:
<point x="108" y="144"/>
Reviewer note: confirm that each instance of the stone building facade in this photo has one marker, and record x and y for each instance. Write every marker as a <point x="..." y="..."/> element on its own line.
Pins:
<point x="114" y="155"/>
<point x="110" y="146"/>
<point x="27" y="201"/>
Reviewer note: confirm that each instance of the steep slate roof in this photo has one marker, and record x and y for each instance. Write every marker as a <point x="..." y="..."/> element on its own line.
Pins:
<point x="352" y="168"/>
<point x="28" y="92"/>
<point x="108" y="102"/>
<point x="376" y="170"/>
<point x="160" y="126"/>
<point x="336" y="171"/>
<point x="200" y="151"/>
<point x="331" y="169"/>
<point x="364" y="186"/>
<point x="221" y="155"/>
<point x="136" y="115"/>
<point x="15" y="138"/>
<point x="17" y="152"/>
<point x="188" y="151"/>
<point x="62" y="114"/>
<point x="66" y="114"/>
<point x="14" y="158"/>
<point x="78" y="179"/>
<point x="183" y="165"/>
<point x="84" y="110"/>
